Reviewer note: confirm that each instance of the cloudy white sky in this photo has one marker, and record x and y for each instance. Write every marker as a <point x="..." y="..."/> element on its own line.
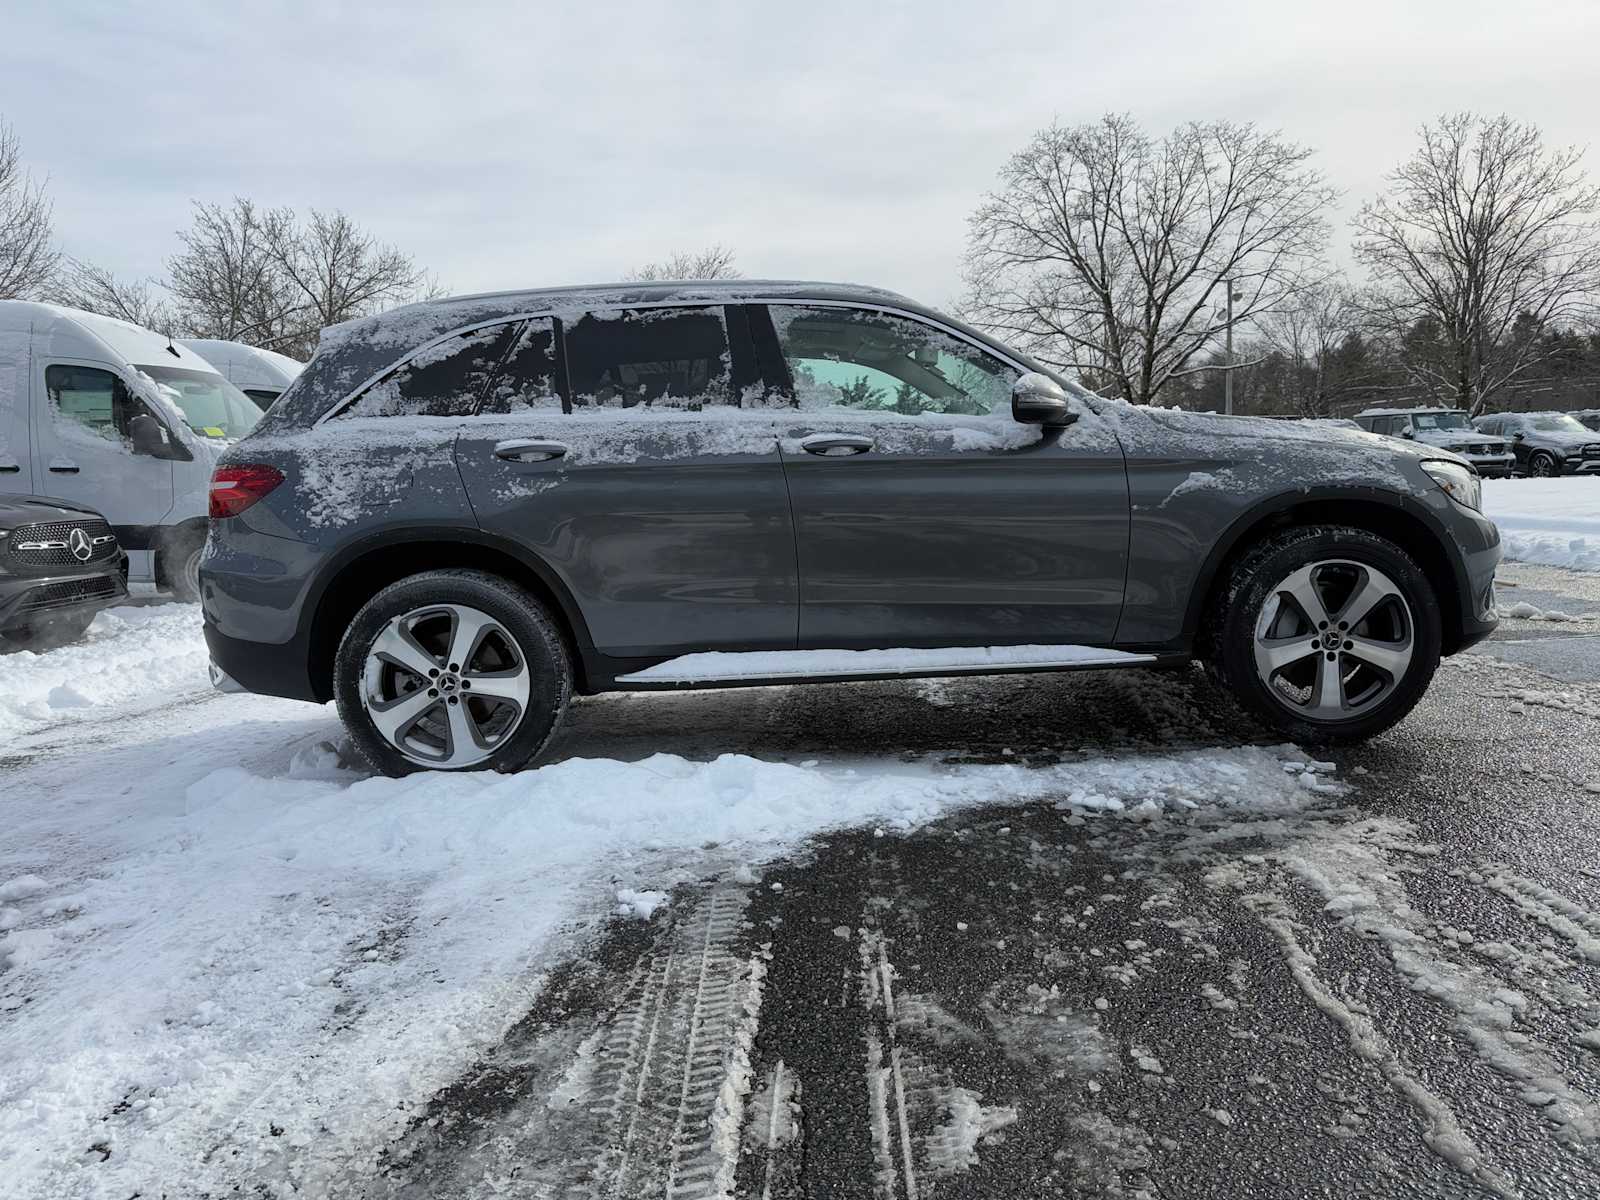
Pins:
<point x="525" y="143"/>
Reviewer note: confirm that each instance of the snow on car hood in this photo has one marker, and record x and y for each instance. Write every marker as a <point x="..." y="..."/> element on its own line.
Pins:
<point x="1457" y="437"/>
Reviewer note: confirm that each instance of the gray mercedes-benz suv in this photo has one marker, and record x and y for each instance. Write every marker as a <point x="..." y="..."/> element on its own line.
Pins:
<point x="464" y="511"/>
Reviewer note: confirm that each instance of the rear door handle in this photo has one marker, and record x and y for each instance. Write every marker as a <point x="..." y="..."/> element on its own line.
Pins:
<point x="61" y="467"/>
<point x="9" y="468"/>
<point x="836" y="444"/>
<point x="528" y="450"/>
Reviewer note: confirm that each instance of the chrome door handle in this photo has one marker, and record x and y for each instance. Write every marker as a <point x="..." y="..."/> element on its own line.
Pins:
<point x="528" y="450"/>
<point x="836" y="444"/>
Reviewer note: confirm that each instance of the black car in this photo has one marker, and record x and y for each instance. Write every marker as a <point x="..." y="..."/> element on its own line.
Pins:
<point x="59" y="565"/>
<point x="1546" y="443"/>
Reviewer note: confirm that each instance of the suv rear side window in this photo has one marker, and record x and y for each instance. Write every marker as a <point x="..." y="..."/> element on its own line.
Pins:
<point x="528" y="379"/>
<point x="651" y="358"/>
<point x="856" y="358"/>
<point x="445" y="380"/>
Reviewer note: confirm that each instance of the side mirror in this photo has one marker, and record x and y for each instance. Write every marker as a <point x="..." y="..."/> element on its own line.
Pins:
<point x="1039" y="400"/>
<point x="146" y="435"/>
<point x="1518" y="436"/>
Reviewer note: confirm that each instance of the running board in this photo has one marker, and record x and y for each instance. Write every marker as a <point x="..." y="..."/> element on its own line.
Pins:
<point x="781" y="666"/>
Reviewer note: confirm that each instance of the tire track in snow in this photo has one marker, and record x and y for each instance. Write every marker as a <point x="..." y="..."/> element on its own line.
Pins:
<point x="674" y="1066"/>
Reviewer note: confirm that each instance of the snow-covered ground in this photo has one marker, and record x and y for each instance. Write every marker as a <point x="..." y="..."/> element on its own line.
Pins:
<point x="225" y="956"/>
<point x="1555" y="522"/>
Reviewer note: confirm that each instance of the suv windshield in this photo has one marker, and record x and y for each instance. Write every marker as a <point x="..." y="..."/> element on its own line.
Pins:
<point x="1445" y="420"/>
<point x="1556" y="423"/>
<point x="211" y="405"/>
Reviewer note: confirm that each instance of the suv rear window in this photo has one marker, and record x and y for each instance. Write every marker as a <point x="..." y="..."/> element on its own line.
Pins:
<point x="653" y="358"/>
<point x="445" y="380"/>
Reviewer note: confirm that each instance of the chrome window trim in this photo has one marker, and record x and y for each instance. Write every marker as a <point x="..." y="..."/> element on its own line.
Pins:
<point x="785" y="301"/>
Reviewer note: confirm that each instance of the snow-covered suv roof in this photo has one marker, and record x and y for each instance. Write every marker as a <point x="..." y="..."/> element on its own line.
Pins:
<point x="351" y="353"/>
<point x="1406" y="412"/>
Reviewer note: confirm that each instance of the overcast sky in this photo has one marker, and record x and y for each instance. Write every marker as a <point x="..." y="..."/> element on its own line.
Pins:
<point x="527" y="144"/>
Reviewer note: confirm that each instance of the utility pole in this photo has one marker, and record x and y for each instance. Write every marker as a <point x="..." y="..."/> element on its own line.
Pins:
<point x="1227" y="366"/>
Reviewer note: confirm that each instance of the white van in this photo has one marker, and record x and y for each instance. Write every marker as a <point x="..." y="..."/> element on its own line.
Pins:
<point x="263" y="375"/>
<point x="119" y="418"/>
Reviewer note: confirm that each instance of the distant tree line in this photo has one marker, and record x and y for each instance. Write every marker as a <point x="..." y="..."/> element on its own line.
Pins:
<point x="1111" y="253"/>
<point x="1105" y="250"/>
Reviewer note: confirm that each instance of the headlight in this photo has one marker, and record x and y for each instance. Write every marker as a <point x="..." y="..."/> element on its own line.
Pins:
<point x="1461" y="483"/>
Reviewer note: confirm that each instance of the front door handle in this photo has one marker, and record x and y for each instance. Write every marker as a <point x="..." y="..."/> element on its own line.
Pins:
<point x="528" y="450"/>
<point x="63" y="467"/>
<point x="836" y="444"/>
<point x="10" y="468"/>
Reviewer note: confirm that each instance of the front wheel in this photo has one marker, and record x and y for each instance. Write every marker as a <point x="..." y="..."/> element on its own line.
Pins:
<point x="1543" y="465"/>
<point x="451" y="670"/>
<point x="1326" y="633"/>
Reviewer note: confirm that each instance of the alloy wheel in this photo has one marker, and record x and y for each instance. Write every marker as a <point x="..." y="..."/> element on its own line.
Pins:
<point x="445" y="685"/>
<point x="1334" y="640"/>
<point x="1543" y="466"/>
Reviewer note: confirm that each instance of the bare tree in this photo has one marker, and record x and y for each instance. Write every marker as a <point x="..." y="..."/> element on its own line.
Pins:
<point x="1482" y="228"/>
<point x="264" y="277"/>
<point x="94" y="289"/>
<point x="226" y="281"/>
<point x="335" y="271"/>
<point x="714" y="262"/>
<point x="28" y="257"/>
<point x="1312" y="332"/>
<point x="1105" y="250"/>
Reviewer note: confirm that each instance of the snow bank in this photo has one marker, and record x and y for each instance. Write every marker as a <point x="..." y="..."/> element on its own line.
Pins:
<point x="1555" y="522"/>
<point x="264" y="975"/>
<point x="130" y="653"/>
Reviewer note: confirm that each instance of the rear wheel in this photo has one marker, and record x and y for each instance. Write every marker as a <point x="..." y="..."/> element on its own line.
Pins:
<point x="1329" y="634"/>
<point x="451" y="670"/>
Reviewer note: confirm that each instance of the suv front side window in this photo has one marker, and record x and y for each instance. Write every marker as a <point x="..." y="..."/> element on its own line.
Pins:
<point x="864" y="359"/>
<point x="650" y="359"/>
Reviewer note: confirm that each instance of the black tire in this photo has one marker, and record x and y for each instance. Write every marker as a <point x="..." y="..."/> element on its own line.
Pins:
<point x="1543" y="465"/>
<point x="1228" y="643"/>
<point x="180" y="566"/>
<point x="538" y="641"/>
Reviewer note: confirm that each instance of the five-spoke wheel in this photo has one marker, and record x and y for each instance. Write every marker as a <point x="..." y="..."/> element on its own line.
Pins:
<point x="451" y="670"/>
<point x="1325" y="632"/>
<point x="1334" y="639"/>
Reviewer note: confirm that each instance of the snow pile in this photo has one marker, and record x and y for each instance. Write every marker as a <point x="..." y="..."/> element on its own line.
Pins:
<point x="129" y="653"/>
<point x="1551" y="521"/>
<point x="263" y="973"/>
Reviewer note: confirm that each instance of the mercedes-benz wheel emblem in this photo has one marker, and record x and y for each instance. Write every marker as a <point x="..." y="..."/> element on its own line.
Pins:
<point x="78" y="543"/>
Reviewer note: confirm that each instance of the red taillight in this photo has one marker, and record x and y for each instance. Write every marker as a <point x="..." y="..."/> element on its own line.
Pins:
<point x="234" y="489"/>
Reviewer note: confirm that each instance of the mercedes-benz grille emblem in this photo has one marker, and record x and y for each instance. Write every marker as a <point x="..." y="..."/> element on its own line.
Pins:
<point x="78" y="543"/>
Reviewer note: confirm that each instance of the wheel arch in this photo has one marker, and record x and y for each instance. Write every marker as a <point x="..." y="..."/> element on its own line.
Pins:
<point x="366" y="568"/>
<point x="1394" y="518"/>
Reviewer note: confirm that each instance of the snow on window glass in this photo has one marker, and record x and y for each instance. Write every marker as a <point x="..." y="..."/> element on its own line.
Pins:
<point x="866" y="360"/>
<point x="442" y="380"/>
<point x="651" y="360"/>
<point x="90" y="406"/>
<point x="527" y="378"/>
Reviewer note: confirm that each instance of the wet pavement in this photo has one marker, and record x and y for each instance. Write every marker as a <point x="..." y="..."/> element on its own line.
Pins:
<point x="1390" y="989"/>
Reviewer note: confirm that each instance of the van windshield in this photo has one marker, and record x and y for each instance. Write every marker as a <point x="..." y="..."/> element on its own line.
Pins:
<point x="211" y="405"/>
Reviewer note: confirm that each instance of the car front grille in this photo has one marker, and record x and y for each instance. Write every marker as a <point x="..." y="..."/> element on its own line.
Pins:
<point x="49" y="544"/>
<point x="70" y="591"/>
<point x="1591" y="451"/>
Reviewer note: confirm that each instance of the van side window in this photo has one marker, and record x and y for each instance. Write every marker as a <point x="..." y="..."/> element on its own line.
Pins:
<point x="445" y="380"/>
<point x="95" y="399"/>
<point x="651" y="358"/>
<point x="527" y="380"/>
